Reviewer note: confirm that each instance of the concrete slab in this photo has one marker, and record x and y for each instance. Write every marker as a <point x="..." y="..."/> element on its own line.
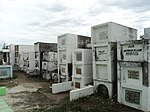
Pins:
<point x="79" y="93"/>
<point x="61" y="87"/>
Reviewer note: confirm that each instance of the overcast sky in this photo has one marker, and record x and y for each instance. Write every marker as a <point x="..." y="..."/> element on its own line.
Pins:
<point x="29" y="21"/>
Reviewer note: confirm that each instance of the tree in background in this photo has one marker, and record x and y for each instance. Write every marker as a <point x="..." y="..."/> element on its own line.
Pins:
<point x="5" y="46"/>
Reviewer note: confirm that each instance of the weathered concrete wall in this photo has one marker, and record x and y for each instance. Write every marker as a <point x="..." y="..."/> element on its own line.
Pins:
<point x="61" y="87"/>
<point x="79" y="93"/>
<point x="47" y="47"/>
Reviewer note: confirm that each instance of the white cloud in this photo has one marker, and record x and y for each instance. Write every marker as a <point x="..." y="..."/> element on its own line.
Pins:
<point x="28" y="21"/>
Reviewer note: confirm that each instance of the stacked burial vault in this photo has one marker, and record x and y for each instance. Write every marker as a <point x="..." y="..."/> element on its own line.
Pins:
<point x="29" y="58"/>
<point x="82" y="76"/>
<point x="82" y="68"/>
<point x="104" y="38"/>
<point x="104" y="56"/>
<point x="29" y="62"/>
<point x="49" y="64"/>
<point x="67" y="43"/>
<point x="133" y="72"/>
<point x="22" y="49"/>
<point x="24" y="57"/>
<point x="40" y="48"/>
<point x="21" y="61"/>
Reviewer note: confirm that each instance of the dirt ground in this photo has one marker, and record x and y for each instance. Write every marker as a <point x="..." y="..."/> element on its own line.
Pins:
<point x="33" y="94"/>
